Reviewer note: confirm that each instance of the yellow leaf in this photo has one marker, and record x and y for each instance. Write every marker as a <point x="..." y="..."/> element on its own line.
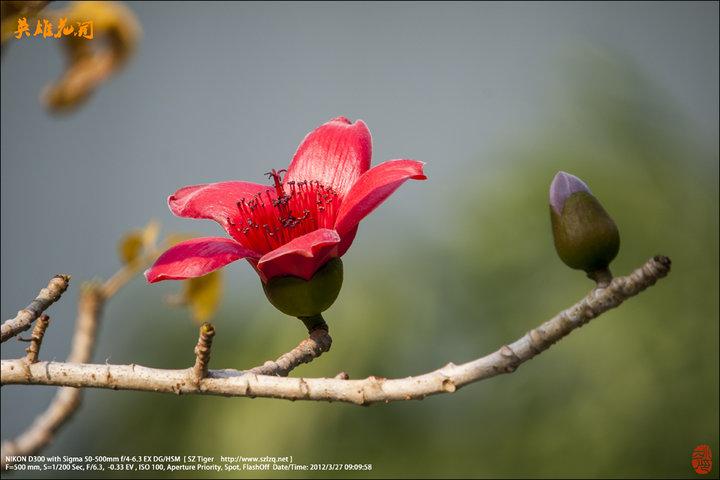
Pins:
<point x="150" y="233"/>
<point x="131" y="246"/>
<point x="99" y="38"/>
<point x="135" y="242"/>
<point x="202" y="295"/>
<point x="13" y="10"/>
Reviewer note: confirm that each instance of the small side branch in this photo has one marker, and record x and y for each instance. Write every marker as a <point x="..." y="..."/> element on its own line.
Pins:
<point x="202" y="352"/>
<point x="360" y="392"/>
<point x="309" y="349"/>
<point x="67" y="400"/>
<point x="25" y="317"/>
<point x="93" y="297"/>
<point x="38" y="333"/>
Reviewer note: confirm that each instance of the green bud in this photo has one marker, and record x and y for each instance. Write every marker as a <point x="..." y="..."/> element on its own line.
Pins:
<point x="586" y="237"/>
<point x="306" y="298"/>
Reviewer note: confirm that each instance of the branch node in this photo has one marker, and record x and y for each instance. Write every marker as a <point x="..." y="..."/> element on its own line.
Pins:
<point x="538" y="340"/>
<point x="662" y="264"/>
<point x="448" y="385"/>
<point x="511" y="359"/>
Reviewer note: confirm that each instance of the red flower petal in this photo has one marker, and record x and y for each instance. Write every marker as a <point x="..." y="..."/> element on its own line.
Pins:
<point x="300" y="257"/>
<point x="372" y="188"/>
<point x="195" y="258"/>
<point x="214" y="201"/>
<point x="346" y="240"/>
<point x="335" y="154"/>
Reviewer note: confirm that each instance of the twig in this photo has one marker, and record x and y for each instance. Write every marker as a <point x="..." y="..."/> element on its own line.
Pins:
<point x="90" y="304"/>
<point x="309" y="349"/>
<point x="36" y="340"/>
<point x="202" y="352"/>
<point x="25" y="317"/>
<point x="361" y="392"/>
<point x="67" y="400"/>
<point x="120" y="278"/>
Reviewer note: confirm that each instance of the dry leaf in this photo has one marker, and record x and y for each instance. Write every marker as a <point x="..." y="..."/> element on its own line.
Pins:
<point x="131" y="246"/>
<point x="202" y="295"/>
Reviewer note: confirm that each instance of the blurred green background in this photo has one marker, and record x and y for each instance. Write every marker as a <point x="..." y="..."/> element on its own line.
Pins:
<point x="472" y="268"/>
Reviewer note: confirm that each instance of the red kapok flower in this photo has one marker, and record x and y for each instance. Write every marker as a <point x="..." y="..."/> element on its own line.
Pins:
<point x="298" y="224"/>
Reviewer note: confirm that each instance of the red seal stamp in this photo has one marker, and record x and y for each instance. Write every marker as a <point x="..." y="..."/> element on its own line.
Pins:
<point x="702" y="459"/>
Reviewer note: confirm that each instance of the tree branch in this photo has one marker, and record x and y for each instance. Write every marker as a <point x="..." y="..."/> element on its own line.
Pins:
<point x="33" y="350"/>
<point x="309" y="349"/>
<point x="202" y="352"/>
<point x="67" y="400"/>
<point x="25" y="317"/>
<point x="361" y="392"/>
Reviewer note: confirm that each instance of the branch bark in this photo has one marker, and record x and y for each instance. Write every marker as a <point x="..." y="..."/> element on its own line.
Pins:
<point x="202" y="352"/>
<point x="318" y="342"/>
<point x="25" y="317"/>
<point x="38" y="333"/>
<point x="447" y="379"/>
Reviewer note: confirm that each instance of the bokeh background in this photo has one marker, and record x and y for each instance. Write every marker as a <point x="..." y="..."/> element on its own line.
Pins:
<point x="495" y="97"/>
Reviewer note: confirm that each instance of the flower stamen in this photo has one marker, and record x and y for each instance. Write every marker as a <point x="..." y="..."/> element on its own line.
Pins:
<point x="283" y="212"/>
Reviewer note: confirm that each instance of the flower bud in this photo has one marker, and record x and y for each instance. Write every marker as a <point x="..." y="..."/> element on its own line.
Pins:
<point x="586" y="237"/>
<point x="306" y="298"/>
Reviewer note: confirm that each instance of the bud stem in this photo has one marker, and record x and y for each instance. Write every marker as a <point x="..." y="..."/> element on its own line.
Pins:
<point x="314" y="322"/>
<point x="602" y="277"/>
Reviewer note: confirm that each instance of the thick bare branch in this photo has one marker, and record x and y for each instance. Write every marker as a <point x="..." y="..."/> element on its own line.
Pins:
<point x="361" y="392"/>
<point x="25" y="317"/>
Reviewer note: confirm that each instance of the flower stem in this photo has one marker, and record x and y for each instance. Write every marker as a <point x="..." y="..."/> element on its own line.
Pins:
<point x="602" y="277"/>
<point x="314" y="322"/>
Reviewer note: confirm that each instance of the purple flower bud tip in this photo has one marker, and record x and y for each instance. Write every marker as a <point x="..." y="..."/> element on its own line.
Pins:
<point x="562" y="186"/>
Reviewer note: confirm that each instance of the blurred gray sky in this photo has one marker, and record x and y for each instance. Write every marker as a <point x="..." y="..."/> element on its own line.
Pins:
<point x="223" y="91"/>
